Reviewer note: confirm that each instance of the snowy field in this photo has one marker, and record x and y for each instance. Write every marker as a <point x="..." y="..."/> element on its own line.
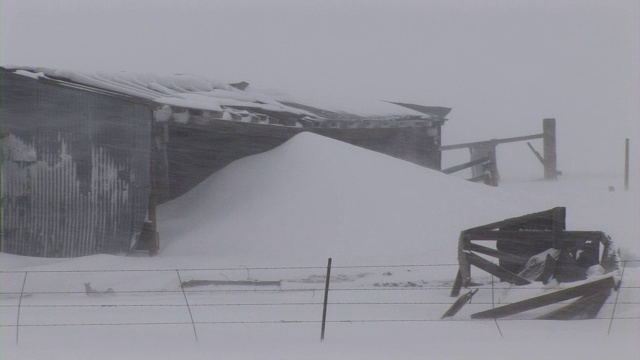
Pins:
<point x="390" y="227"/>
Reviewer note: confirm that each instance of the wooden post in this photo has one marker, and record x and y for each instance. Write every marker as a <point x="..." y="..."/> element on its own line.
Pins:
<point x="493" y="167"/>
<point x="626" y="164"/>
<point x="465" y="267"/>
<point x="549" y="149"/>
<point x="326" y="299"/>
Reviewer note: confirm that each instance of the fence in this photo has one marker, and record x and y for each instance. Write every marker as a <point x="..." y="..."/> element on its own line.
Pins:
<point x="285" y="296"/>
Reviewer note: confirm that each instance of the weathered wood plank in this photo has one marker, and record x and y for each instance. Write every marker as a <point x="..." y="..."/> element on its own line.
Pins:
<point x="536" y="153"/>
<point x="469" y="164"/>
<point x="586" y="307"/>
<point x="465" y="267"/>
<point x="493" y="141"/>
<point x="483" y="177"/>
<point x="496" y="270"/>
<point x="529" y="236"/>
<point x="517" y="221"/>
<point x="497" y="253"/>
<point x="456" y="306"/>
<point x="193" y="283"/>
<point x="547" y="299"/>
<point x="457" y="285"/>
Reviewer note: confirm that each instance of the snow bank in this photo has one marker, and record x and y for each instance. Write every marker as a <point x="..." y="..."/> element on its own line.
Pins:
<point x="314" y="197"/>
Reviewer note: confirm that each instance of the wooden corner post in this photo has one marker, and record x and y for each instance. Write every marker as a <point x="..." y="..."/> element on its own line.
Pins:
<point x="549" y="149"/>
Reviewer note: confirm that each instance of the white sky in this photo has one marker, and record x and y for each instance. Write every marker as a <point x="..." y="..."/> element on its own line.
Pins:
<point x="501" y="65"/>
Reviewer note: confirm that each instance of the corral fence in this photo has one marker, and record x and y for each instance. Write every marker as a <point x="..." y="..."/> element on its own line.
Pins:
<point x="286" y="296"/>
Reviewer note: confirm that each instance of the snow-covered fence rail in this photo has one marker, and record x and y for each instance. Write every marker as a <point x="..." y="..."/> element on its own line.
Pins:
<point x="198" y="301"/>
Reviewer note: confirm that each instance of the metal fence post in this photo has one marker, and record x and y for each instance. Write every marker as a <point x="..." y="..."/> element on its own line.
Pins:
<point x="24" y="282"/>
<point x="188" y="307"/>
<point x="326" y="298"/>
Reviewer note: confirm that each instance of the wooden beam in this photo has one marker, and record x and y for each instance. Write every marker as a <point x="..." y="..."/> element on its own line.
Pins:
<point x="465" y="267"/>
<point x="547" y="299"/>
<point x="493" y="168"/>
<point x="457" y="285"/>
<point x="586" y="307"/>
<point x="469" y="164"/>
<point x="497" y="254"/>
<point x="462" y="301"/>
<point x="491" y="142"/>
<point x="518" y="221"/>
<point x="484" y="177"/>
<point x="194" y="283"/>
<point x="528" y="236"/>
<point x="536" y="153"/>
<point x="496" y="270"/>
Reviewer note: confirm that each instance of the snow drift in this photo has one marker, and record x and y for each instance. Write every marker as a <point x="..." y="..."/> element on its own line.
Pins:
<point x="315" y="197"/>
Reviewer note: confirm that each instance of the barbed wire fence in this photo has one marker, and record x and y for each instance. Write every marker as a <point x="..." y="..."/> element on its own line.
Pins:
<point x="143" y="300"/>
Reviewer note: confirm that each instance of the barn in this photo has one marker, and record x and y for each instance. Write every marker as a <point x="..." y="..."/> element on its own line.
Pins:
<point x="87" y="157"/>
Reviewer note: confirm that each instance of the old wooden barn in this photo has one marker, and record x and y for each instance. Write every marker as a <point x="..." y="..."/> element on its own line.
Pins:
<point x="87" y="157"/>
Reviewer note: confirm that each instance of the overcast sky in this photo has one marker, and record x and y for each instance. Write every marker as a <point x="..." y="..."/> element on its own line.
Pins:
<point x="501" y="65"/>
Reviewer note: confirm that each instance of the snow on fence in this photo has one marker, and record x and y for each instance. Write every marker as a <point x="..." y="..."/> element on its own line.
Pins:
<point x="190" y="300"/>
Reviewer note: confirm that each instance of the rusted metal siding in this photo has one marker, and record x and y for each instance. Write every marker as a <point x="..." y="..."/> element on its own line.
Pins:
<point x="75" y="169"/>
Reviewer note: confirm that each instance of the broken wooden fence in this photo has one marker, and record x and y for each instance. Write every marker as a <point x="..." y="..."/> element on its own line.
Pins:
<point x="537" y="247"/>
<point x="484" y="163"/>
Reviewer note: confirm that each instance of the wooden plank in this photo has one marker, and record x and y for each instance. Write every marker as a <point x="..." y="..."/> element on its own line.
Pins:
<point x="483" y="178"/>
<point x="469" y="164"/>
<point x="492" y="141"/>
<point x="465" y="267"/>
<point x="493" y="168"/>
<point x="496" y="270"/>
<point x="517" y="221"/>
<point x="586" y="307"/>
<point x="456" y="306"/>
<point x="547" y="299"/>
<point x="529" y="236"/>
<point x="193" y="283"/>
<point x="536" y="153"/>
<point x="457" y="285"/>
<point x="497" y="254"/>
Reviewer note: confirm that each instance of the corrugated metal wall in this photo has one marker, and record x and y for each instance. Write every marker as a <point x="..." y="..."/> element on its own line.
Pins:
<point x="75" y="169"/>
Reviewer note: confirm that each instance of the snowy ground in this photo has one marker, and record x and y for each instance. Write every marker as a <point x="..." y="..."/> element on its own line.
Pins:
<point x="390" y="227"/>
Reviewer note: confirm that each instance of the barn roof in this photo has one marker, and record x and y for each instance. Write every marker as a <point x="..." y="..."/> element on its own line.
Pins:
<point x="238" y="101"/>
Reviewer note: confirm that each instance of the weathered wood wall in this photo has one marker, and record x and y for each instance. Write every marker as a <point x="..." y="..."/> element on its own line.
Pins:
<point x="75" y="169"/>
<point x="197" y="151"/>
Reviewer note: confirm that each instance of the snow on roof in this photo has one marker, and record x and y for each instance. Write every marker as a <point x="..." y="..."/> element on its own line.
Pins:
<point x="197" y="92"/>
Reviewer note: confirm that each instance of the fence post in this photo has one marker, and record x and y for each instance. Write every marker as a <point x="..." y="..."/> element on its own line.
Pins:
<point x="549" y="149"/>
<point x="326" y="299"/>
<point x="626" y="164"/>
<point x="24" y="282"/>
